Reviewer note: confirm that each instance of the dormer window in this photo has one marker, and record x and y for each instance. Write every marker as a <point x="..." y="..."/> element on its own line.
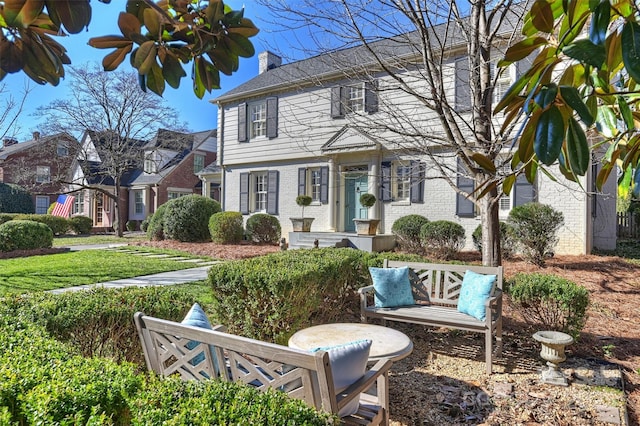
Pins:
<point x="150" y="163"/>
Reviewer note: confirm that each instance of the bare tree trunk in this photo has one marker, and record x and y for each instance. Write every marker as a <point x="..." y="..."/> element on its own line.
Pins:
<point x="117" y="223"/>
<point x="491" y="252"/>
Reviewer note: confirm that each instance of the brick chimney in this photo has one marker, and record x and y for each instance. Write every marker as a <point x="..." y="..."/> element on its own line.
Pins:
<point x="36" y="136"/>
<point x="268" y="61"/>
<point x="9" y="141"/>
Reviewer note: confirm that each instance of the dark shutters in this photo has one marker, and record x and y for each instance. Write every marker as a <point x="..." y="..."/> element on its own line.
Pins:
<point x="337" y="110"/>
<point x="272" y="118"/>
<point x="417" y="181"/>
<point x="324" y="185"/>
<point x="523" y="191"/>
<point x="302" y="181"/>
<point x="272" y="192"/>
<point x="464" y="207"/>
<point x="242" y="122"/>
<point x="244" y="193"/>
<point x="462" y="88"/>
<point x="371" y="96"/>
<point x="385" y="186"/>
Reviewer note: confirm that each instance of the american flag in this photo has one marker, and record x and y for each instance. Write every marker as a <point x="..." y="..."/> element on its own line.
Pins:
<point x="63" y="205"/>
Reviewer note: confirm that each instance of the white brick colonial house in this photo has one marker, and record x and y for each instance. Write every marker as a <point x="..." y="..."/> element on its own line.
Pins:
<point x="296" y="129"/>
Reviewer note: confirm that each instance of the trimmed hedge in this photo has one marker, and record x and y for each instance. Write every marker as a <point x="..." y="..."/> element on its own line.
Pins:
<point x="226" y="227"/>
<point x="98" y="322"/>
<point x="15" y="199"/>
<point x="24" y="235"/>
<point x="264" y="228"/>
<point x="535" y="227"/>
<point x="81" y="224"/>
<point x="155" y="229"/>
<point x="187" y="218"/>
<point x="508" y="244"/>
<point x="6" y="217"/>
<point x="550" y="301"/>
<point x="59" y="225"/>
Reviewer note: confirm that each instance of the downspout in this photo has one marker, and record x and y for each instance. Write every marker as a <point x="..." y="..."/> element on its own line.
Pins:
<point x="220" y="156"/>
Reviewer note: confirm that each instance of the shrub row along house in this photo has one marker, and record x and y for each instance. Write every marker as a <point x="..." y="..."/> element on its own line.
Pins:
<point x="110" y="177"/>
<point x="320" y="127"/>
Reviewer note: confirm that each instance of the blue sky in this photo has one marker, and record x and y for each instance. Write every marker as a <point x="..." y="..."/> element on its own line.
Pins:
<point x="199" y="114"/>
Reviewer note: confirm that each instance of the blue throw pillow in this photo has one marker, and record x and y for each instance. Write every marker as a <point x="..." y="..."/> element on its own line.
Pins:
<point x="474" y="292"/>
<point x="198" y="318"/>
<point x="348" y="364"/>
<point x="392" y="287"/>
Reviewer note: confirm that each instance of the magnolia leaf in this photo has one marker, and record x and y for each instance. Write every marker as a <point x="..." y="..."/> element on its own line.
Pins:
<point x="603" y="175"/>
<point x="564" y="168"/>
<point x="600" y="23"/>
<point x="109" y="42"/>
<point x="129" y="25"/>
<point x="214" y="12"/>
<point x="233" y="17"/>
<point x="11" y="57"/>
<point x="74" y="15"/>
<point x="577" y="148"/>
<point x="484" y="162"/>
<point x="572" y="26"/>
<point x="155" y="80"/>
<point x="547" y="95"/>
<point x="245" y="28"/>
<point x="549" y="135"/>
<point x="172" y="70"/>
<point x="524" y="48"/>
<point x="240" y="45"/>
<point x="571" y="96"/>
<point x="145" y="57"/>
<point x="542" y="16"/>
<point x="115" y="58"/>
<point x="507" y="184"/>
<point x="624" y="183"/>
<point x="630" y="44"/>
<point x="22" y="13"/>
<point x="606" y="121"/>
<point x="530" y="171"/>
<point x="525" y="144"/>
<point x="614" y="53"/>
<point x="626" y="113"/>
<point x="198" y="84"/>
<point x="152" y="22"/>
<point x="585" y="51"/>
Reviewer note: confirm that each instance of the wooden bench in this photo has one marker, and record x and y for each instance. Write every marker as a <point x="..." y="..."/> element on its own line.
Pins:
<point x="436" y="288"/>
<point x="301" y="374"/>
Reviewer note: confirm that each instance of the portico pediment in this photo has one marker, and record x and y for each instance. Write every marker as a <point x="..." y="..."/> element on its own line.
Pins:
<point x="350" y="139"/>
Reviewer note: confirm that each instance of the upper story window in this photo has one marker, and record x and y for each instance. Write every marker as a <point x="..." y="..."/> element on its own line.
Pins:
<point x="62" y="150"/>
<point x="150" y="163"/>
<point x="198" y="163"/>
<point x="502" y="82"/>
<point x="355" y="98"/>
<point x="258" y="119"/>
<point x="401" y="185"/>
<point x="43" y="174"/>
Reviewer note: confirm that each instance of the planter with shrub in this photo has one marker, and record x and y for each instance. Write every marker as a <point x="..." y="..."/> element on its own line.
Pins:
<point x="302" y="224"/>
<point x="366" y="226"/>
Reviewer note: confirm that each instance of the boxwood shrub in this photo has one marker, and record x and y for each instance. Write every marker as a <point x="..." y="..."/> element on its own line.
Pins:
<point x="81" y="224"/>
<point x="6" y="217"/>
<point x="226" y="227"/>
<point x="24" y="235"/>
<point x="155" y="229"/>
<point x="264" y="228"/>
<point x="442" y="239"/>
<point x="508" y="244"/>
<point x="407" y="232"/>
<point x="535" y="227"/>
<point x="187" y="218"/>
<point x="59" y="225"/>
<point x="549" y="301"/>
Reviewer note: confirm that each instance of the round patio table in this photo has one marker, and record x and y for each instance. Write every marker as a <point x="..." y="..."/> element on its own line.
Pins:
<point x="386" y="342"/>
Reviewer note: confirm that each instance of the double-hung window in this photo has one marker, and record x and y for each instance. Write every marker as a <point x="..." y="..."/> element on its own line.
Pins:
<point x="150" y="163"/>
<point x="43" y="174"/>
<point x="355" y="98"/>
<point x="258" y="120"/>
<point x="42" y="204"/>
<point x="78" y="203"/>
<point x="401" y="182"/>
<point x="198" y="163"/>
<point x="314" y="182"/>
<point x="62" y="149"/>
<point x="259" y="193"/>
<point x="138" y="196"/>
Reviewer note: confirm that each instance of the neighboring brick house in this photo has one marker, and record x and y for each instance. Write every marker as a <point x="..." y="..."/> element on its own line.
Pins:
<point x="297" y="129"/>
<point x="39" y="165"/>
<point x="161" y="169"/>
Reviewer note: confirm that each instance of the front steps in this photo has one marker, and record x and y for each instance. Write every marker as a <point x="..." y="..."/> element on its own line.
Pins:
<point x="370" y="243"/>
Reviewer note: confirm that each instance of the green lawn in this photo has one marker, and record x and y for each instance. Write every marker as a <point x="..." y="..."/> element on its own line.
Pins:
<point x="72" y="240"/>
<point x="39" y="273"/>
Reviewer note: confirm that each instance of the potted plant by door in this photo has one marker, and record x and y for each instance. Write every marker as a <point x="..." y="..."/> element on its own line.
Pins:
<point x="367" y="226"/>
<point x="302" y="224"/>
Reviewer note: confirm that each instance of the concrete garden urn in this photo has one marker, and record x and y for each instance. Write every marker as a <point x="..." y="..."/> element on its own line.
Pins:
<point x="553" y="344"/>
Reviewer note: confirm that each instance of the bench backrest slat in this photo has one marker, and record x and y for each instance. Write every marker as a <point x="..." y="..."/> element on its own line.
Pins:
<point x="303" y="375"/>
<point x="440" y="282"/>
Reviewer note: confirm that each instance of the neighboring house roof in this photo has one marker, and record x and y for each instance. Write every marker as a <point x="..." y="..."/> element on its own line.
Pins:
<point x="334" y="64"/>
<point x="211" y="169"/>
<point x="93" y="174"/>
<point x="7" y="151"/>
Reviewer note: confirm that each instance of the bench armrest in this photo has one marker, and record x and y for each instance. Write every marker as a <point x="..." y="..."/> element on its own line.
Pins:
<point x="371" y="376"/>
<point x="364" y="298"/>
<point x="364" y="290"/>
<point x="493" y="306"/>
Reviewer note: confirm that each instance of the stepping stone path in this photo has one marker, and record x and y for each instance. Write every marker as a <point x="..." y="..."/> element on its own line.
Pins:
<point x="176" y="258"/>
